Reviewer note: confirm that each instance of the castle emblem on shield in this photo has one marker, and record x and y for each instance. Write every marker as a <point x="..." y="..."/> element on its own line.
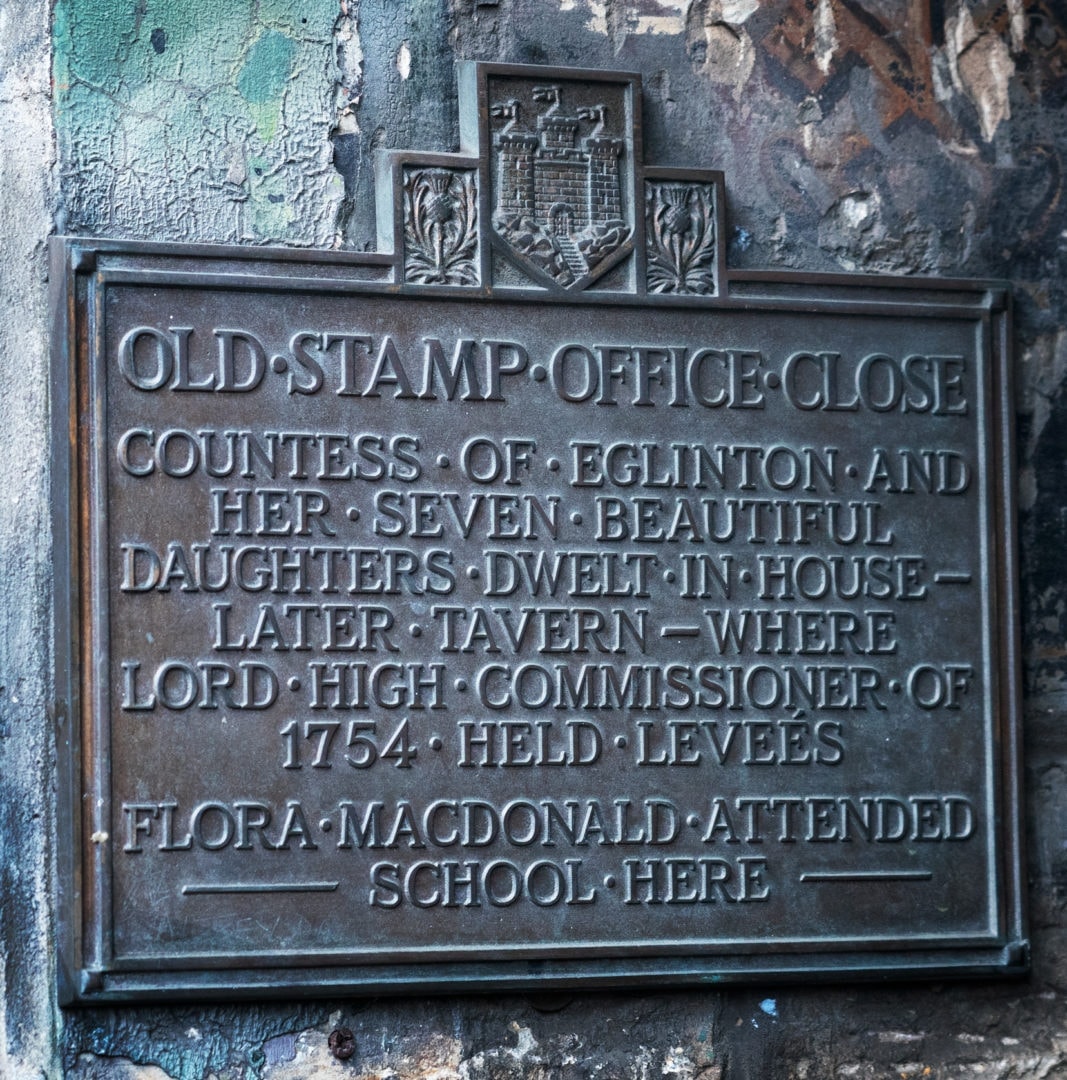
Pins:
<point x="558" y="189"/>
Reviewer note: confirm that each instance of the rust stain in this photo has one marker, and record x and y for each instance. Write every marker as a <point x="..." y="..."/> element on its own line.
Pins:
<point x="899" y="57"/>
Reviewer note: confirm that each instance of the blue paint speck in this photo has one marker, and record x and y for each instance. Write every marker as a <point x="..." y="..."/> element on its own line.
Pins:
<point x="769" y="1006"/>
<point x="742" y="238"/>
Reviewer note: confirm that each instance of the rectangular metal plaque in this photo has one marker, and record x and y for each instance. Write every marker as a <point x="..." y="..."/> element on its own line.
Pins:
<point x="430" y="632"/>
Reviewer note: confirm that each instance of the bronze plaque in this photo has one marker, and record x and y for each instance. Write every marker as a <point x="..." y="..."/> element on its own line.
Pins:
<point x="535" y="603"/>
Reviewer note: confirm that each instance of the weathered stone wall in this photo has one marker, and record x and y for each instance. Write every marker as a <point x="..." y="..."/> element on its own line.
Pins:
<point x="904" y="136"/>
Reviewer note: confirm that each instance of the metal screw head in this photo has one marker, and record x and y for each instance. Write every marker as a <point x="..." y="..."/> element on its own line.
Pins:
<point x="342" y="1043"/>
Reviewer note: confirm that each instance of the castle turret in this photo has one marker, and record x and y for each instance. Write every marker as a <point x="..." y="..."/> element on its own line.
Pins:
<point x="605" y="194"/>
<point x="515" y="192"/>
<point x="558" y="133"/>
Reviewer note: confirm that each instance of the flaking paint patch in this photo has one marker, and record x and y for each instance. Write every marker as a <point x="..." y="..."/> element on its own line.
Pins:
<point x="659" y="17"/>
<point x="737" y="12"/>
<point x="677" y="1064"/>
<point x="217" y="137"/>
<point x="1017" y="25"/>
<point x="267" y="68"/>
<point x="263" y="79"/>
<point x="719" y="46"/>
<point x="825" y="36"/>
<point x="417" y="1054"/>
<point x="94" y="1067"/>
<point x="981" y="67"/>
<point x="899" y="1036"/>
<point x="659" y="24"/>
<point x="859" y="210"/>
<point x="348" y="50"/>
<point x="597" y="22"/>
<point x="403" y="61"/>
<point x="986" y="69"/>
<point x="620" y="19"/>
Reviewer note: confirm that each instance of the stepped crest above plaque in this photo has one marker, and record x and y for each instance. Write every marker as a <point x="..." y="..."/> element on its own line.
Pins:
<point x="550" y="192"/>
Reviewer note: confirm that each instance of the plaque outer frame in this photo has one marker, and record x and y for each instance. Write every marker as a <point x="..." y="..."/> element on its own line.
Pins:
<point x="79" y="270"/>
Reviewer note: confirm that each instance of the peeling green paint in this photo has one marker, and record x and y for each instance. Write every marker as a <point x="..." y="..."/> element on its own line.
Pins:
<point x="263" y="79"/>
<point x="267" y="68"/>
<point x="197" y="120"/>
<point x="104" y="30"/>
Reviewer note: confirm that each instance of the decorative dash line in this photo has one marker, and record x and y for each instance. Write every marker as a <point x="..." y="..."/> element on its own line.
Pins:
<point x="679" y="631"/>
<point x="949" y="577"/>
<point x="867" y="875"/>
<point x="261" y="887"/>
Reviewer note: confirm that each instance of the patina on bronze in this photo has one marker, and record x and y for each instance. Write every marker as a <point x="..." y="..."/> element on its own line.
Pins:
<point x="536" y="603"/>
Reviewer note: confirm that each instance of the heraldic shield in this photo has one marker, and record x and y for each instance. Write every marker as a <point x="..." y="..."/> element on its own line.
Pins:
<point x="560" y="173"/>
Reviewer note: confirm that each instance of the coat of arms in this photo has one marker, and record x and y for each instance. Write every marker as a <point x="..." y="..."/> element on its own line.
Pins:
<point x="558" y="193"/>
<point x="550" y="192"/>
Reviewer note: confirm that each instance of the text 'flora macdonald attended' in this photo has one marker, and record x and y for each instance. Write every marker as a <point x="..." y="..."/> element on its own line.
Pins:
<point x="563" y="625"/>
